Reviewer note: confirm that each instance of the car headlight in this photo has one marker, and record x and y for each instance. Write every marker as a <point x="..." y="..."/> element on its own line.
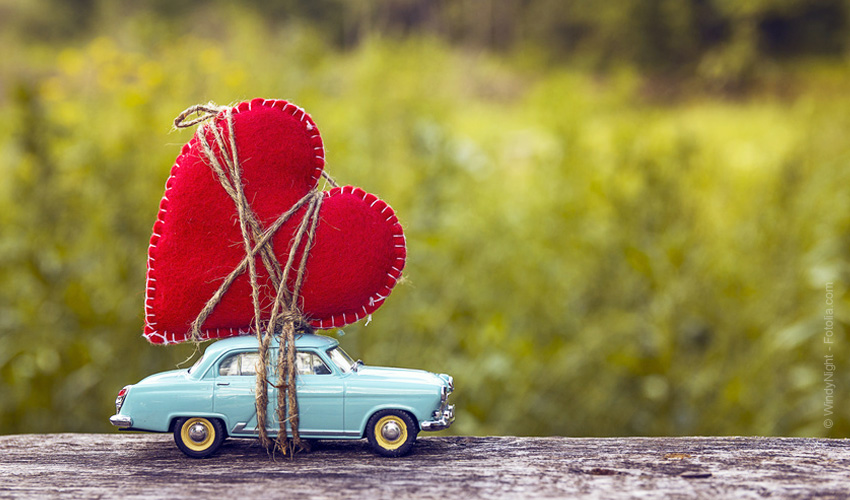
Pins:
<point x="445" y="390"/>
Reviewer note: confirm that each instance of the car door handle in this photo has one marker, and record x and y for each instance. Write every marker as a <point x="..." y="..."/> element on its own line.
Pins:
<point x="223" y="383"/>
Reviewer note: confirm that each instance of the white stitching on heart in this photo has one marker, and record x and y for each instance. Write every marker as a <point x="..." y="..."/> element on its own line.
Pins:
<point x="377" y="299"/>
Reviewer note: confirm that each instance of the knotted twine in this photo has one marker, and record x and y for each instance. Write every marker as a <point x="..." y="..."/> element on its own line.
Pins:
<point x="286" y="318"/>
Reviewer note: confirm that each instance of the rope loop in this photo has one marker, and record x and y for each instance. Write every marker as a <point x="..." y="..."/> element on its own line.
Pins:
<point x="286" y="319"/>
<point x="204" y="112"/>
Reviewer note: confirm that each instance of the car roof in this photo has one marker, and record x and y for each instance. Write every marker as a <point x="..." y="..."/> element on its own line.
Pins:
<point x="250" y="341"/>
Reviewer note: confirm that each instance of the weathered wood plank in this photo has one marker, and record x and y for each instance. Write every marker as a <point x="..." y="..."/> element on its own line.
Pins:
<point x="150" y="466"/>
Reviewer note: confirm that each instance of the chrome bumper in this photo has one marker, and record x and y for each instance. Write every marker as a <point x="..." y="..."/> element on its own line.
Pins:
<point x="442" y="420"/>
<point x="121" y="421"/>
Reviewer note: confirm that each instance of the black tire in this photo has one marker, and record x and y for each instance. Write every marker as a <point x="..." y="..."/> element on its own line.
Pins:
<point x="391" y="433"/>
<point x="198" y="437"/>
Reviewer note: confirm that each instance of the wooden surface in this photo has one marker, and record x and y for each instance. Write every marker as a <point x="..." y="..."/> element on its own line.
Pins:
<point x="150" y="466"/>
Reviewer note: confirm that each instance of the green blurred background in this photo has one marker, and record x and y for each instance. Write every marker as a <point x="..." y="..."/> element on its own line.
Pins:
<point x="623" y="218"/>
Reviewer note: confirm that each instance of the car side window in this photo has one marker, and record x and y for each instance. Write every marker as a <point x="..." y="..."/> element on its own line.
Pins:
<point x="309" y="363"/>
<point x="243" y="363"/>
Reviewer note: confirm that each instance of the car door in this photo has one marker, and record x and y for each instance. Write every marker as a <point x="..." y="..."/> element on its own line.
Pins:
<point x="320" y="392"/>
<point x="320" y="395"/>
<point x="234" y="391"/>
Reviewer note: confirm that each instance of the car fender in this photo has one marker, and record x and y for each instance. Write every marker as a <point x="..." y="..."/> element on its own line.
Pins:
<point x="377" y="408"/>
<point x="172" y="417"/>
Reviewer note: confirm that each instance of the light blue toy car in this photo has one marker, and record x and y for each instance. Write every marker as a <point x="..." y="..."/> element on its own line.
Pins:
<point x="337" y="399"/>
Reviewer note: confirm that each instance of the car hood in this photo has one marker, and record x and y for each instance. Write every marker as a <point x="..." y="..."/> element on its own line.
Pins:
<point x="404" y="375"/>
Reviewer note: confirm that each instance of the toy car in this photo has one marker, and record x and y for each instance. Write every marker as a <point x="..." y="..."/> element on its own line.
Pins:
<point x="338" y="398"/>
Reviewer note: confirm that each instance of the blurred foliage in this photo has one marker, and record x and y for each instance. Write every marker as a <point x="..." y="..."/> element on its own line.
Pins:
<point x="723" y="45"/>
<point x="590" y="252"/>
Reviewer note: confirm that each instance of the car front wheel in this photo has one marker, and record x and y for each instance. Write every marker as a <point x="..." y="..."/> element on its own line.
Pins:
<point x="391" y="433"/>
<point x="198" y="437"/>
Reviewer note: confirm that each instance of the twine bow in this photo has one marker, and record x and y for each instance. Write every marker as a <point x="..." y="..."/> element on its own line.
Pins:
<point x="286" y="318"/>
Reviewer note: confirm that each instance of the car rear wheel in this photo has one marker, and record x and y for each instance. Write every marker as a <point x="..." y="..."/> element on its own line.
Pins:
<point x="391" y="433"/>
<point x="198" y="437"/>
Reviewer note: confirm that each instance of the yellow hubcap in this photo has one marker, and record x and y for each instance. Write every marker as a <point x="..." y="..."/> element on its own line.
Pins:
<point x="390" y="432"/>
<point x="197" y="434"/>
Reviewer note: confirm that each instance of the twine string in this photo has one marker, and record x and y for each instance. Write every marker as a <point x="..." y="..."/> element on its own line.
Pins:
<point x="243" y="265"/>
<point x="233" y="187"/>
<point x="232" y="160"/>
<point x="204" y="112"/>
<point x="285" y="318"/>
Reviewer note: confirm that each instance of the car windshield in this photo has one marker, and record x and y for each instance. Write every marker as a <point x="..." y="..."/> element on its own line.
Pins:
<point x="342" y="360"/>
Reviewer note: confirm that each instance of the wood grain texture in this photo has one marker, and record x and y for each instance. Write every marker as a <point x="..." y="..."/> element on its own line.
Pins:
<point x="150" y="466"/>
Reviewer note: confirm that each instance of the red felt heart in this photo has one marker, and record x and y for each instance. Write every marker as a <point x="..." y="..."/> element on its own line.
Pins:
<point x="356" y="259"/>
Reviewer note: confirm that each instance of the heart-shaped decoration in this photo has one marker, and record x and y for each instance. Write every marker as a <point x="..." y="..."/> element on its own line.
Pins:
<point x="358" y="250"/>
